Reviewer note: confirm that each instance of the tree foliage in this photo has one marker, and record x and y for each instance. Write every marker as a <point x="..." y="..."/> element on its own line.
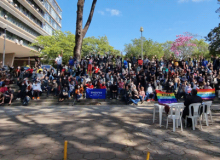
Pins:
<point x="202" y="48"/>
<point x="52" y="45"/>
<point x="183" y="47"/>
<point x="98" y="45"/>
<point x="213" y="37"/>
<point x="150" y="48"/>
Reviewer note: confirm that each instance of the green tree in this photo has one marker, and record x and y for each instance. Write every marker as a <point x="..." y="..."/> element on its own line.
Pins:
<point x="214" y="38"/>
<point x="98" y="45"/>
<point x="166" y="49"/>
<point x="52" y="45"/>
<point x="150" y="48"/>
<point x="202" y="48"/>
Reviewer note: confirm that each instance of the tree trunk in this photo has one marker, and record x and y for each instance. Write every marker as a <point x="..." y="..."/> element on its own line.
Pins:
<point x="80" y="32"/>
<point x="78" y="36"/>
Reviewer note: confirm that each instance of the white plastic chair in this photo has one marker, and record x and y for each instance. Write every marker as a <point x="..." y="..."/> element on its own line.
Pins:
<point x="196" y="114"/>
<point x="161" y="109"/>
<point x="207" y="111"/>
<point x="176" y="115"/>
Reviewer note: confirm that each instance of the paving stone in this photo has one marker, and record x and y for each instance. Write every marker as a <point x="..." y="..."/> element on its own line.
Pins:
<point x="100" y="133"/>
<point x="91" y="156"/>
<point x="75" y="156"/>
<point x="107" y="155"/>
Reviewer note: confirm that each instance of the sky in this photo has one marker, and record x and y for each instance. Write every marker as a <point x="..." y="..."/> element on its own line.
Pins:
<point x="162" y="20"/>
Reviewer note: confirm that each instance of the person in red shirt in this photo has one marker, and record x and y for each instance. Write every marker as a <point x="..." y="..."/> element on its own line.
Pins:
<point x="103" y="86"/>
<point x="97" y="69"/>
<point x="140" y="62"/>
<point x="3" y="89"/>
<point x="89" y="85"/>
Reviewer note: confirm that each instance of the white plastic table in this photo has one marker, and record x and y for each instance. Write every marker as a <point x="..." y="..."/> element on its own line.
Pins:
<point x="161" y="109"/>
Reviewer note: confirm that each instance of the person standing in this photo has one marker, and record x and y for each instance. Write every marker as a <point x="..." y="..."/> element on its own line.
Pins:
<point x="58" y="61"/>
<point x="71" y="63"/>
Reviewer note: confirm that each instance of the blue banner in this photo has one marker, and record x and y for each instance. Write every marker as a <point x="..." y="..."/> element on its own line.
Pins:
<point x="96" y="93"/>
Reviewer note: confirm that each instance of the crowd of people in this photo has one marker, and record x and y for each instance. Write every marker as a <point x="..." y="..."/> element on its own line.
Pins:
<point x="133" y="80"/>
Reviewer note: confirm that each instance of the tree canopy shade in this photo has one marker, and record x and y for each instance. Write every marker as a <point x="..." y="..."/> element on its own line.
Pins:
<point x="52" y="45"/>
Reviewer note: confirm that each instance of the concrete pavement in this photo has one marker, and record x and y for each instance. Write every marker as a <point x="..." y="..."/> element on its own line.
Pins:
<point x="100" y="132"/>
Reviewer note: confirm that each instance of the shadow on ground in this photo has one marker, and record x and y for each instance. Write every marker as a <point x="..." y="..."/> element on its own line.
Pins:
<point x="98" y="132"/>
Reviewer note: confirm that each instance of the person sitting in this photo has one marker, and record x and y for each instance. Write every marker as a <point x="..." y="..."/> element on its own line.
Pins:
<point x="103" y="86"/>
<point x="89" y="85"/>
<point x="8" y="96"/>
<point x="22" y="89"/>
<point x="188" y="89"/>
<point x="120" y="86"/>
<point x="71" y="89"/>
<point x="40" y="75"/>
<point x="45" y="85"/>
<point x="142" y="95"/>
<point x="135" y="97"/>
<point x="36" y="89"/>
<point x="150" y="92"/>
<point x="54" y="87"/>
<point x="181" y="92"/>
<point x="114" y="91"/>
<point x="63" y="94"/>
<point x="78" y="93"/>
<point x="190" y="100"/>
<point x="82" y="90"/>
<point x="207" y="85"/>
<point x="128" y="94"/>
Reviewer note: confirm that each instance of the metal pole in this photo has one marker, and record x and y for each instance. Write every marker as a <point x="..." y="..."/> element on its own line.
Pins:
<point x="29" y="61"/>
<point x="141" y="46"/>
<point x="3" y="61"/>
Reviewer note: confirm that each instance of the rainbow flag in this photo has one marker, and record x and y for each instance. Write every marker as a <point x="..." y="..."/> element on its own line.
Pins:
<point x="206" y="94"/>
<point x="164" y="97"/>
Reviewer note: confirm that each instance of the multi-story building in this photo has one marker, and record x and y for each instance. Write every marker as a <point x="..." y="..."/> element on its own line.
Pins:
<point x="24" y="20"/>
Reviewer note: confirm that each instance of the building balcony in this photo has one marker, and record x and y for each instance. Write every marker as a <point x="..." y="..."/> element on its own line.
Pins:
<point x="21" y="16"/>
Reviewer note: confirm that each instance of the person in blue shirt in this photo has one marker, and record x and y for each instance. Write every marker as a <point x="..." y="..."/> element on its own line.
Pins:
<point x="204" y="62"/>
<point x="71" y="63"/>
<point x="126" y="63"/>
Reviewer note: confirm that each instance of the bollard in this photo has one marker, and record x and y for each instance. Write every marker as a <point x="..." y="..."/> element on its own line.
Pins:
<point x="148" y="156"/>
<point x="65" y="150"/>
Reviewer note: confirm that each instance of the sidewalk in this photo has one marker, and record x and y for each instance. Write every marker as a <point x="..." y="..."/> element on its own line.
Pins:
<point x="100" y="132"/>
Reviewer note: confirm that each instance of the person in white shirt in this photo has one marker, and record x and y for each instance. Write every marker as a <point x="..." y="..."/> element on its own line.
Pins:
<point x="58" y="61"/>
<point x="150" y="91"/>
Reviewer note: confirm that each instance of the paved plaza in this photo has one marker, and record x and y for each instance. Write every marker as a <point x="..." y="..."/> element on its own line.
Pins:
<point x="101" y="133"/>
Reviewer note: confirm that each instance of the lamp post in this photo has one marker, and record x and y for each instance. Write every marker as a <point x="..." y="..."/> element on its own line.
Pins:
<point x="5" y="26"/>
<point x="142" y="30"/>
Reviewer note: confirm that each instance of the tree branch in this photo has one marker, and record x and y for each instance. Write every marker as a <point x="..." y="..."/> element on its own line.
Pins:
<point x="86" y="27"/>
